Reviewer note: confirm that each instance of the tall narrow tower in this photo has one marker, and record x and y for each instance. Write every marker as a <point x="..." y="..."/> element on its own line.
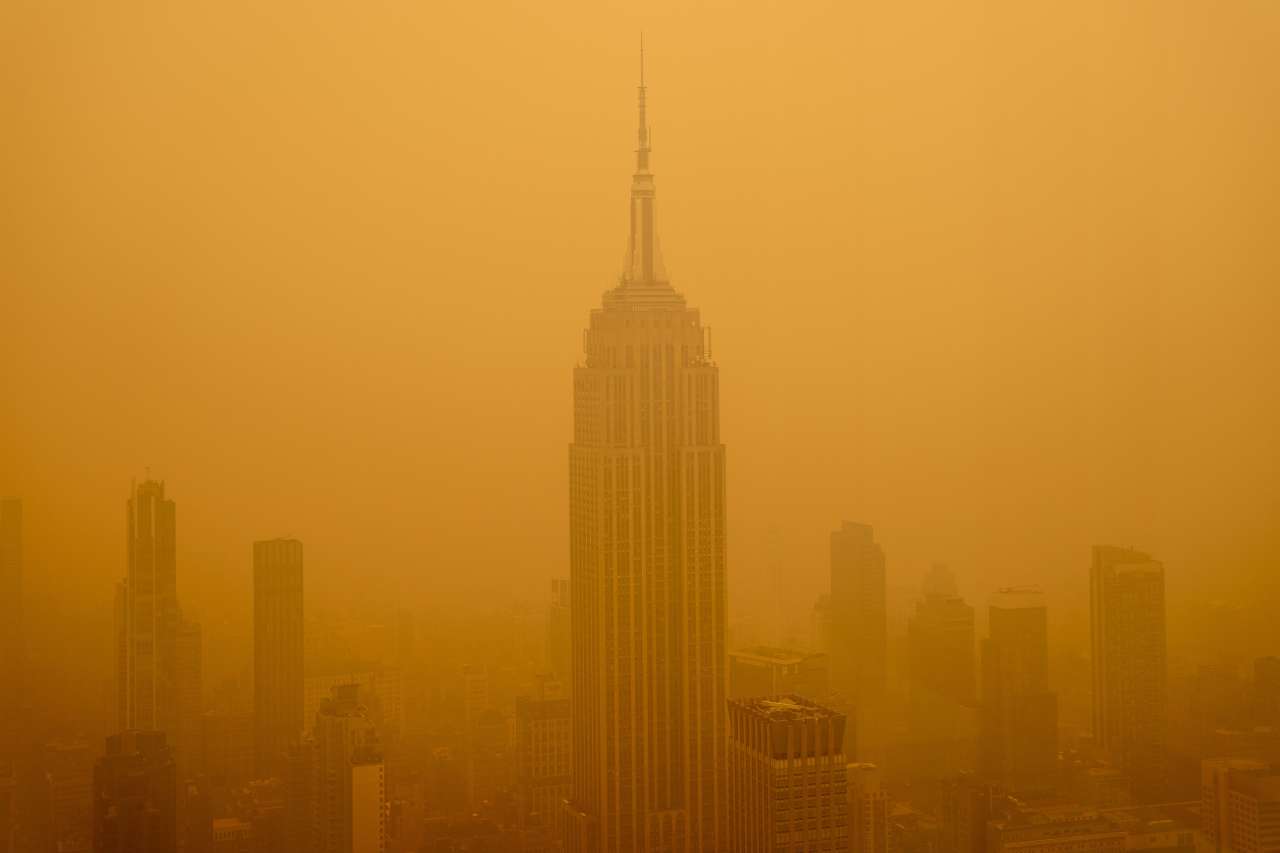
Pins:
<point x="647" y="564"/>
<point x="277" y="652"/>
<point x="149" y="615"/>
<point x="1129" y="682"/>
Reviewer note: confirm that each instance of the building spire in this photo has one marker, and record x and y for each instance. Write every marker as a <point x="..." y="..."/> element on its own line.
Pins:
<point x="642" y="152"/>
<point x="644" y="262"/>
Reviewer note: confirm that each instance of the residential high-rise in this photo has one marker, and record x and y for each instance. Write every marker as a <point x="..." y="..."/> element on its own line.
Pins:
<point x="868" y="810"/>
<point x="1130" y="704"/>
<point x="148" y="615"/>
<point x="278" y="676"/>
<point x="1019" y="713"/>
<point x="787" y="776"/>
<point x="647" y="564"/>
<point x="859" y="627"/>
<point x="348" y="788"/>
<point x="11" y="641"/>
<point x="135" y="792"/>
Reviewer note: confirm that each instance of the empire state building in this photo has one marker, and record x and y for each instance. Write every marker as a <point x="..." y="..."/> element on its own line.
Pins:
<point x="647" y="564"/>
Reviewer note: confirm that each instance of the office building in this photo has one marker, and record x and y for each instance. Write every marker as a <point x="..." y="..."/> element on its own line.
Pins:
<point x="859" y="627"/>
<point x="278" y="678"/>
<point x="1240" y="806"/>
<point x="135" y="790"/>
<point x="868" y="810"/>
<point x="940" y="638"/>
<point x="1019" y="725"/>
<point x="787" y="776"/>
<point x="148" y="615"/>
<point x="1130" y="701"/>
<point x="348" y="787"/>
<point x="1066" y="828"/>
<point x="647" y="564"/>
<point x="542" y="748"/>
<point x="769" y="671"/>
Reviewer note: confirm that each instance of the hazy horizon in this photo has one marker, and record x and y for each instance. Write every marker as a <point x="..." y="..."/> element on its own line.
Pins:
<point x="1001" y="284"/>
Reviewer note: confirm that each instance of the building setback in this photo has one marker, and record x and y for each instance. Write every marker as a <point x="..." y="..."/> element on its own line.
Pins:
<point x="647" y="564"/>
<point x="788" y="783"/>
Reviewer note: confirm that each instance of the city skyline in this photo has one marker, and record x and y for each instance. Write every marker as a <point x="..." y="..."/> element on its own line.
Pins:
<point x="840" y="583"/>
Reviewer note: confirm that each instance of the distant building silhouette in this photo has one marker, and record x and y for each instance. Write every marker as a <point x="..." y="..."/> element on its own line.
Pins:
<point x="68" y="792"/>
<point x="278" y="676"/>
<point x="941" y="698"/>
<point x="11" y="633"/>
<point x="559" y="637"/>
<point x="868" y="810"/>
<point x="348" y="785"/>
<point x="135" y="795"/>
<point x="1266" y="691"/>
<point x="647" y="564"/>
<point x="1130" y="694"/>
<point x="542" y="751"/>
<point x="940" y="637"/>
<point x="769" y="671"/>
<point x="788" y="785"/>
<point x="1019" y="713"/>
<point x="859" y="627"/>
<point x="148" y="615"/>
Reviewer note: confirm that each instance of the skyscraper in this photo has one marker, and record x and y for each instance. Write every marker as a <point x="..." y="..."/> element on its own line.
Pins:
<point x="1019" y="713"/>
<point x="11" y="641"/>
<point x="941" y="709"/>
<point x="1240" y="806"/>
<point x="135" y="789"/>
<point x="868" y="810"/>
<point x="940" y="636"/>
<point x="147" y="610"/>
<point x="787" y="776"/>
<point x="1130" y="710"/>
<point x="647" y="563"/>
<point x="277" y="652"/>
<point x="859" y="627"/>
<point x="189" y="691"/>
<point x="348" y="788"/>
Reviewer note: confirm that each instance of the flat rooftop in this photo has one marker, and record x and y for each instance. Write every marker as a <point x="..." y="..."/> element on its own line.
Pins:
<point x="787" y="708"/>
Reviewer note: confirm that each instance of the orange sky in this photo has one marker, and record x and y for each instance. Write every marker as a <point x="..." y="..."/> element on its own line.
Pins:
<point x="997" y="278"/>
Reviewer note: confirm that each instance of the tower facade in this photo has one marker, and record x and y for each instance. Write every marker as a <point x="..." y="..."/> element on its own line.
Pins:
<point x="1019" y="713"/>
<point x="859" y="626"/>
<point x="788" y="781"/>
<point x="277" y="652"/>
<point x="1126" y="592"/>
<point x="148" y="616"/>
<point x="647" y="564"/>
<point x="348" y="781"/>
